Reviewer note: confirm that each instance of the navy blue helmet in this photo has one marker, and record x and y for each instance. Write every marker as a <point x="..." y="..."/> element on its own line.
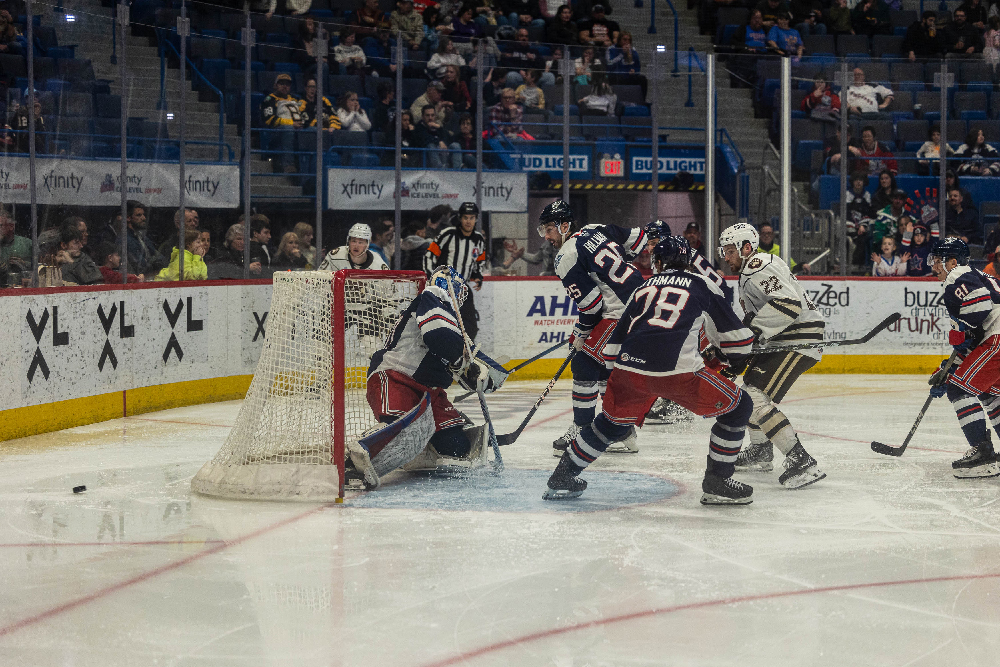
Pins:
<point x="657" y="229"/>
<point x="951" y="247"/>
<point x="673" y="252"/>
<point x="557" y="213"/>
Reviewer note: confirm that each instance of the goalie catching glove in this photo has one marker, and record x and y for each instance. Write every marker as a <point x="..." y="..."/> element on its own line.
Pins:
<point x="483" y="374"/>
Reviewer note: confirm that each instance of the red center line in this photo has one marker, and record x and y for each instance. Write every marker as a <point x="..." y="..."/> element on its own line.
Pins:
<point x="149" y="574"/>
<point x="661" y="611"/>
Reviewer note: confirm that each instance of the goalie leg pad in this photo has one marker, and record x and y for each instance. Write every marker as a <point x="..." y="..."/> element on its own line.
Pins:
<point x="400" y="442"/>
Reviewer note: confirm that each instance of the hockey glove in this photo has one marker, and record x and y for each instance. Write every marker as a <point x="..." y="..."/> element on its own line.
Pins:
<point x="737" y="365"/>
<point x="961" y="341"/>
<point x="479" y="376"/>
<point x="939" y="380"/>
<point x="579" y="336"/>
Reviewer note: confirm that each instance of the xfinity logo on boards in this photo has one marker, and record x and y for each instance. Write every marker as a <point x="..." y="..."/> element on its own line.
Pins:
<point x="496" y="191"/>
<point x="53" y="181"/>
<point x="367" y="189"/>
<point x="206" y="185"/>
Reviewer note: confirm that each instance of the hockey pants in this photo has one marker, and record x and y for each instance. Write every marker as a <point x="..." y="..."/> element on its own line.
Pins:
<point x="767" y="380"/>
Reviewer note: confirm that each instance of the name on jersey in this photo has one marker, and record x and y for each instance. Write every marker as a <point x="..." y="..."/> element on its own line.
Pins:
<point x="596" y="241"/>
<point x="671" y="280"/>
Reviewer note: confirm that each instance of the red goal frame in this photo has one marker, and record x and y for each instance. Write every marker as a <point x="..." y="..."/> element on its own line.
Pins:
<point x="338" y="407"/>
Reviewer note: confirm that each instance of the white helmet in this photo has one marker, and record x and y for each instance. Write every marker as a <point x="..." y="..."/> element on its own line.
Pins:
<point x="737" y="235"/>
<point x="360" y="231"/>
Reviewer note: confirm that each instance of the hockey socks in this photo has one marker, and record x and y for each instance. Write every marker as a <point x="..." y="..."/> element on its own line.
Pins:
<point x="768" y="423"/>
<point x="727" y="437"/>
<point x="585" y="395"/>
<point x="970" y="414"/>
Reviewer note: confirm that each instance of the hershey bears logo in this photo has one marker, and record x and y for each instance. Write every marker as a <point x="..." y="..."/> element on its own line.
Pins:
<point x="755" y="263"/>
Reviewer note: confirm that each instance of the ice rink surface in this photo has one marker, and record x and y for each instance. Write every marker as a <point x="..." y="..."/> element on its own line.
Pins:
<point x="885" y="562"/>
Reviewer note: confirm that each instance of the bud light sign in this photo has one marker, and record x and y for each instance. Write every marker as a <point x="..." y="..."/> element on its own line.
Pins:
<point x="672" y="161"/>
<point x="550" y="160"/>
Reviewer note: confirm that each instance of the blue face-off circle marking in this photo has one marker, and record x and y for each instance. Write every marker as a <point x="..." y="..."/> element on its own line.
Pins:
<point x="514" y="490"/>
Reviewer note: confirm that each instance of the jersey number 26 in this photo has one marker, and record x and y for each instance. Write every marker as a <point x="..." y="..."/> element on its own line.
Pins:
<point x="663" y="300"/>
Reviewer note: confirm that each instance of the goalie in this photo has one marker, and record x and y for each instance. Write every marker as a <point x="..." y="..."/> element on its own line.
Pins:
<point x="407" y="383"/>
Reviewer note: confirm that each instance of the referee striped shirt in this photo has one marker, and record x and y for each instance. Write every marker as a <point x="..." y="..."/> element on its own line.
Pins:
<point x="465" y="253"/>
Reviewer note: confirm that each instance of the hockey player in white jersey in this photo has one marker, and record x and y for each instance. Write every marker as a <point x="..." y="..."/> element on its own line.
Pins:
<point x="779" y="313"/>
<point x="354" y="255"/>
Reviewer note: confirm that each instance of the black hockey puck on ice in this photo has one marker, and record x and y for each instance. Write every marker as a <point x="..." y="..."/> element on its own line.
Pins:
<point x="79" y="489"/>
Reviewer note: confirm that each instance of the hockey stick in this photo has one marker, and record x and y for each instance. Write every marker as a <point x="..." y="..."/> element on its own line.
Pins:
<point x="882" y="326"/>
<point x="497" y="460"/>
<point x="518" y="367"/>
<point x="880" y="448"/>
<point x="509" y="438"/>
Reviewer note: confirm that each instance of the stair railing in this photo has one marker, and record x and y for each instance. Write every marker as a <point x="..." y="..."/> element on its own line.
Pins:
<point x="166" y="43"/>
<point x="652" y="28"/>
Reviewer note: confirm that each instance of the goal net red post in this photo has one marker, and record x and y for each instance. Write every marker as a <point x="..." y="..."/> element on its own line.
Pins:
<point x="307" y="398"/>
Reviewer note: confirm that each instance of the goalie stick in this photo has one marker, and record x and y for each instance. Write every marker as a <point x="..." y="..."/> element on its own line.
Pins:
<point x="880" y="448"/>
<point x="509" y="438"/>
<point x="469" y="345"/>
<point x="518" y="367"/>
<point x="882" y="326"/>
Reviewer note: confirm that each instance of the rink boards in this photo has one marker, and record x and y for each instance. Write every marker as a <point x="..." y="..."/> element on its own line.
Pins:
<point x="80" y="355"/>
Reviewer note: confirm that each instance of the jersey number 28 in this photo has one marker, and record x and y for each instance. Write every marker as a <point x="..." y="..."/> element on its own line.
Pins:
<point x="664" y="300"/>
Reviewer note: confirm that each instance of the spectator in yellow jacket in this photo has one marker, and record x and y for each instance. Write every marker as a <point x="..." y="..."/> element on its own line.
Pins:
<point x="194" y="264"/>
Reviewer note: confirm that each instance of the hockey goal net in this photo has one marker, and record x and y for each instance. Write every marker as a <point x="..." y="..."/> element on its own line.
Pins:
<point x="307" y="397"/>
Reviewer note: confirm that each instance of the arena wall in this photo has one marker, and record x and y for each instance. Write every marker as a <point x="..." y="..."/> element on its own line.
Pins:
<point x="80" y="355"/>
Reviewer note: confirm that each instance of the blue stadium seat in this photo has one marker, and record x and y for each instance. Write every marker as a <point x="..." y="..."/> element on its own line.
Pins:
<point x="803" y="153"/>
<point x="632" y="111"/>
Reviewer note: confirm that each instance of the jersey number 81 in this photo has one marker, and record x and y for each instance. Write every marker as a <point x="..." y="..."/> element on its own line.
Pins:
<point x="660" y="299"/>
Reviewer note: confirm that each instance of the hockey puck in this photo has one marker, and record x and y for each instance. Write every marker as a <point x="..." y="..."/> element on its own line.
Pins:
<point x="79" y="489"/>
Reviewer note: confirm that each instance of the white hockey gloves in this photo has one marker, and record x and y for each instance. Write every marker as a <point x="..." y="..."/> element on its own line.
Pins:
<point x="579" y="336"/>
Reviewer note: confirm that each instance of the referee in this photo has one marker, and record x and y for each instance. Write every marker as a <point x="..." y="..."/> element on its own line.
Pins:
<point x="463" y="248"/>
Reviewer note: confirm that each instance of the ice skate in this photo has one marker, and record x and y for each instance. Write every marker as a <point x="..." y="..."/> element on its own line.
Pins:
<point x="756" y="458"/>
<point x="800" y="469"/>
<point x="560" y="445"/>
<point x="724" y="491"/>
<point x="668" y="412"/>
<point x="626" y="446"/>
<point x="564" y="484"/>
<point x="979" y="461"/>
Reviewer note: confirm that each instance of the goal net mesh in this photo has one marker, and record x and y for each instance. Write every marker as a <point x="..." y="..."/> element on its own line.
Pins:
<point x="311" y="378"/>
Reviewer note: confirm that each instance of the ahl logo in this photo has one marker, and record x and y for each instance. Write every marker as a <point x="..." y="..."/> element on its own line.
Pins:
<point x="718" y="405"/>
<point x="404" y="189"/>
<point x="108" y="184"/>
<point x="629" y="357"/>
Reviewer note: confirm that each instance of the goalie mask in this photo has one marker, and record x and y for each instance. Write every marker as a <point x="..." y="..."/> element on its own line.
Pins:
<point x="446" y="276"/>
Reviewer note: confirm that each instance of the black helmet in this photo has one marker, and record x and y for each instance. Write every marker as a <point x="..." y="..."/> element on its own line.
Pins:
<point x="556" y="213"/>
<point x="951" y="247"/>
<point x="673" y="252"/>
<point x="468" y="208"/>
<point x="657" y="229"/>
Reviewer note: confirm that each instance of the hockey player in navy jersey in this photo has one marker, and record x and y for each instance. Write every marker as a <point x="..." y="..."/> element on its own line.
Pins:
<point x="407" y="383"/>
<point x="973" y="301"/>
<point x="654" y="353"/>
<point x="593" y="265"/>
<point x="778" y="312"/>
<point x="663" y="410"/>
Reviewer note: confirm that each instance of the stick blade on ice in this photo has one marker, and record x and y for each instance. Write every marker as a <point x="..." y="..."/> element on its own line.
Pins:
<point x="881" y="448"/>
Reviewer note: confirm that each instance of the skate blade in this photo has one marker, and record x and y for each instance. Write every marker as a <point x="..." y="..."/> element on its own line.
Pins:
<point x="712" y="499"/>
<point x="991" y="470"/>
<point x="622" y="449"/>
<point x="764" y="466"/>
<point x="810" y="476"/>
<point x="560" y="494"/>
